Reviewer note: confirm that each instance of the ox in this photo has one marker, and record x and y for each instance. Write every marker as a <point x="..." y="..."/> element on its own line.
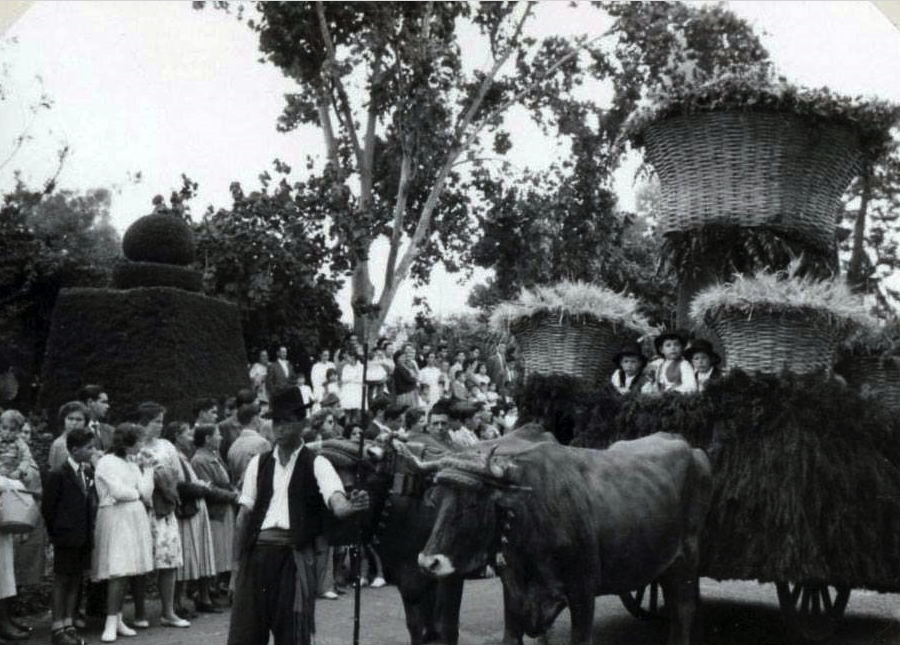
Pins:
<point x="575" y="524"/>
<point x="400" y="522"/>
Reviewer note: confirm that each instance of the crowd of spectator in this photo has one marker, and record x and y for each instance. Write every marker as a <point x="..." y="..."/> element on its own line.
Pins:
<point x="158" y="496"/>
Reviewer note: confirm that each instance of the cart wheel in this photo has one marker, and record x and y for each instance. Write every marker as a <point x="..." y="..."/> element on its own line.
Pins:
<point x="813" y="610"/>
<point x="643" y="605"/>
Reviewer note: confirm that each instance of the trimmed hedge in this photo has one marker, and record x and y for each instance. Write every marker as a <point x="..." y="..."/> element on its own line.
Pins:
<point x="128" y="275"/>
<point x="159" y="237"/>
<point x="806" y="471"/>
<point x="153" y="343"/>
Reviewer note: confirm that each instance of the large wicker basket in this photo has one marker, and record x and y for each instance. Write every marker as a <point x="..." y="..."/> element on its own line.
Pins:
<point x="879" y="377"/>
<point x="761" y="169"/>
<point x="775" y="342"/>
<point x="582" y="347"/>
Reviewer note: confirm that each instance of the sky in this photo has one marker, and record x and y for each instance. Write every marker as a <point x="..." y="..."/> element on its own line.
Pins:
<point x="161" y="89"/>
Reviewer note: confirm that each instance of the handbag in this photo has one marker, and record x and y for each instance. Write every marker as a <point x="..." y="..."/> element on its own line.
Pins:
<point x="19" y="512"/>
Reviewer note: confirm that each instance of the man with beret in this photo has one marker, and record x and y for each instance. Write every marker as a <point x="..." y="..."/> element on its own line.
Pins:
<point x="285" y="497"/>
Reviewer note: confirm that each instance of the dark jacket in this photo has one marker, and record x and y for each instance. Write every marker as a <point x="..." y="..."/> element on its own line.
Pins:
<point x="69" y="512"/>
<point x="405" y="380"/>
<point x="209" y="468"/>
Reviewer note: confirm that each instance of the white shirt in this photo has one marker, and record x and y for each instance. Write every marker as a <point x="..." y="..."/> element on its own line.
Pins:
<point x="351" y="386"/>
<point x="318" y="378"/>
<point x="78" y="472"/>
<point x="278" y="513"/>
<point x="626" y="388"/>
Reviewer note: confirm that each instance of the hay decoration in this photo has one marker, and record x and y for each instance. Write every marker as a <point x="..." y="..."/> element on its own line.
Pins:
<point x="869" y="117"/>
<point x="783" y="292"/>
<point x="572" y="301"/>
<point x="806" y="475"/>
<point x="571" y="328"/>
<point x="775" y="321"/>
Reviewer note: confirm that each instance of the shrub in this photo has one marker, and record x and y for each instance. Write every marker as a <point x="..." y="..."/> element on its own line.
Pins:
<point x="159" y="237"/>
<point x="128" y="275"/>
<point x="152" y="343"/>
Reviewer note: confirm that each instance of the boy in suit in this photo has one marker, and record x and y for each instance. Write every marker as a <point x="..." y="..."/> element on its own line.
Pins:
<point x="68" y="507"/>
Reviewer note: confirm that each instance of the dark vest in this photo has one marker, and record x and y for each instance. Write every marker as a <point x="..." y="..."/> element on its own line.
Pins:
<point x="306" y="509"/>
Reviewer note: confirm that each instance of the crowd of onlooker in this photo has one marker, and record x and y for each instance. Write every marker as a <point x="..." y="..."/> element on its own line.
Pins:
<point x="159" y="496"/>
<point x="416" y="376"/>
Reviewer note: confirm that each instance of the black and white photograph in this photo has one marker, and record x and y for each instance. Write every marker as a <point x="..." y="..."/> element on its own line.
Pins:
<point x="453" y="323"/>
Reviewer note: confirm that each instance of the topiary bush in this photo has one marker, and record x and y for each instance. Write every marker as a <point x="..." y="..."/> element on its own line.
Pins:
<point x="128" y="275"/>
<point x="152" y="343"/>
<point x="159" y="237"/>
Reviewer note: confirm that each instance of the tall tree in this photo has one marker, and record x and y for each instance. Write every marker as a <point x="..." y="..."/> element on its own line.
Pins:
<point x="48" y="242"/>
<point x="564" y="223"/>
<point x="872" y="247"/>
<point x="274" y="265"/>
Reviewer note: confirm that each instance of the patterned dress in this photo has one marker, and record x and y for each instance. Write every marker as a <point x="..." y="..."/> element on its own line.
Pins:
<point x="162" y="457"/>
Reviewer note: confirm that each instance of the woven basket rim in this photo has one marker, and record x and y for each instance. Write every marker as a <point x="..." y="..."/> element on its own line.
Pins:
<point x="551" y="318"/>
<point x="813" y="317"/>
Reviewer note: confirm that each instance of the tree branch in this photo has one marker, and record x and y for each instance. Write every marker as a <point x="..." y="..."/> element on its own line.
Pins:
<point x="328" y="130"/>
<point x="488" y="80"/>
<point x="331" y="64"/>
<point x="399" y="216"/>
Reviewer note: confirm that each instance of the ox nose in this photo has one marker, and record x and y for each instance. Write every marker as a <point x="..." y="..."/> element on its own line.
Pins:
<point x="436" y="565"/>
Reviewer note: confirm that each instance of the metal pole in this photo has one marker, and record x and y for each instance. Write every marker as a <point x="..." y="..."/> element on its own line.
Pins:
<point x="356" y="553"/>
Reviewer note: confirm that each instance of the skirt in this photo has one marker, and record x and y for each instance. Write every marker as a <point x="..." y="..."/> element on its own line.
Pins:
<point x="223" y="540"/>
<point x="166" y="541"/>
<point x="122" y="542"/>
<point x="411" y="399"/>
<point x="7" y="568"/>
<point x="31" y="555"/>
<point x="197" y="544"/>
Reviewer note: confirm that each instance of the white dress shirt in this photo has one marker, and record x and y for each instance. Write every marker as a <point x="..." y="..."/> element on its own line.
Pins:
<point x="278" y="514"/>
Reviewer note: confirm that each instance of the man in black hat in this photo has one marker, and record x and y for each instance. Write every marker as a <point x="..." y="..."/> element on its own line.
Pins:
<point x="630" y="362"/>
<point x="705" y="361"/>
<point x="286" y="495"/>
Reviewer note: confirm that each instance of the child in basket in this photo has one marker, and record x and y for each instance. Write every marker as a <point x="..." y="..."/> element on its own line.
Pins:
<point x="629" y="375"/>
<point x="705" y="361"/>
<point x="671" y="372"/>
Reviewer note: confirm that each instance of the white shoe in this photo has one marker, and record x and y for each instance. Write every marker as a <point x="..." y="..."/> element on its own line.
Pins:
<point x="109" y="630"/>
<point x="378" y="582"/>
<point x="122" y="629"/>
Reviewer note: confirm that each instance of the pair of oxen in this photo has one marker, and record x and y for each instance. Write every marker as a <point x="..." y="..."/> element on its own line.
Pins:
<point x="569" y="524"/>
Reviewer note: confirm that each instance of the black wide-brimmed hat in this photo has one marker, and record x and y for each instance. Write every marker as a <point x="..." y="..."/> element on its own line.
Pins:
<point x="678" y="334"/>
<point x="703" y="347"/>
<point x="286" y="405"/>
<point x="630" y="349"/>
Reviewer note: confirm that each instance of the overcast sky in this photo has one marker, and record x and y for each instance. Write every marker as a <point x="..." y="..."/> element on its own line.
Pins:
<point x="161" y="89"/>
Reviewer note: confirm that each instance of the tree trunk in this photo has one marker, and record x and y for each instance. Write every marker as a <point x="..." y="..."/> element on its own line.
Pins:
<point x="855" y="278"/>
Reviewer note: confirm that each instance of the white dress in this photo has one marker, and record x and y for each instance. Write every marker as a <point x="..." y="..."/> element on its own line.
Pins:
<point x="351" y="386"/>
<point x="122" y="542"/>
<point x="318" y="377"/>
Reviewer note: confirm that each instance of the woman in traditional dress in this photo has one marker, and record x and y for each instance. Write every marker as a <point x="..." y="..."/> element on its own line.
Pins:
<point x="161" y="457"/>
<point x="207" y="463"/>
<point x="122" y="541"/>
<point x="18" y="471"/>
